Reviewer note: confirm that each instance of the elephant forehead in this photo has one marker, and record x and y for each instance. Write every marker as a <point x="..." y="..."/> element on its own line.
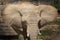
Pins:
<point x="27" y="6"/>
<point x="27" y="9"/>
<point x="33" y="18"/>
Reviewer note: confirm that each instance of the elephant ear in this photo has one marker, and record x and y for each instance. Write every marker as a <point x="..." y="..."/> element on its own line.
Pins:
<point x="48" y="14"/>
<point x="11" y="15"/>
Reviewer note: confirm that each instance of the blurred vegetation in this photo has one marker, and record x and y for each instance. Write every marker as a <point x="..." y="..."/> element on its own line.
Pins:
<point x="46" y="32"/>
<point x="49" y="32"/>
<point x="56" y="3"/>
<point x="55" y="22"/>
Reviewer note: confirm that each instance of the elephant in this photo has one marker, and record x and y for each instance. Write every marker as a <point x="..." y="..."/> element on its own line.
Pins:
<point x="28" y="16"/>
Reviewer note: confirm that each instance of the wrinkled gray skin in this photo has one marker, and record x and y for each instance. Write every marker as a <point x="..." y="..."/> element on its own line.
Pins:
<point x="14" y="14"/>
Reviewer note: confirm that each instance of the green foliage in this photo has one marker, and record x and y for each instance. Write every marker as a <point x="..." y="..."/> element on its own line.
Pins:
<point x="46" y="32"/>
<point x="55" y="22"/>
<point x="56" y="3"/>
<point x="50" y="31"/>
<point x="40" y="37"/>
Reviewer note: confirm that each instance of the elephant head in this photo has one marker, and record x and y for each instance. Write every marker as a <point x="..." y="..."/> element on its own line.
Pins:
<point x="15" y="14"/>
<point x="39" y="16"/>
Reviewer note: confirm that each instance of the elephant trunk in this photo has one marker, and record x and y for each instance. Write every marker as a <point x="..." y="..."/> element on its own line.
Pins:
<point x="32" y="30"/>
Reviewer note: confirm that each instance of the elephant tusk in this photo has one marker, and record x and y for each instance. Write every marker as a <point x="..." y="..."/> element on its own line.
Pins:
<point x="28" y="34"/>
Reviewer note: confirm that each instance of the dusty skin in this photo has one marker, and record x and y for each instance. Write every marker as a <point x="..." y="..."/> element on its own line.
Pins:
<point x="15" y="14"/>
